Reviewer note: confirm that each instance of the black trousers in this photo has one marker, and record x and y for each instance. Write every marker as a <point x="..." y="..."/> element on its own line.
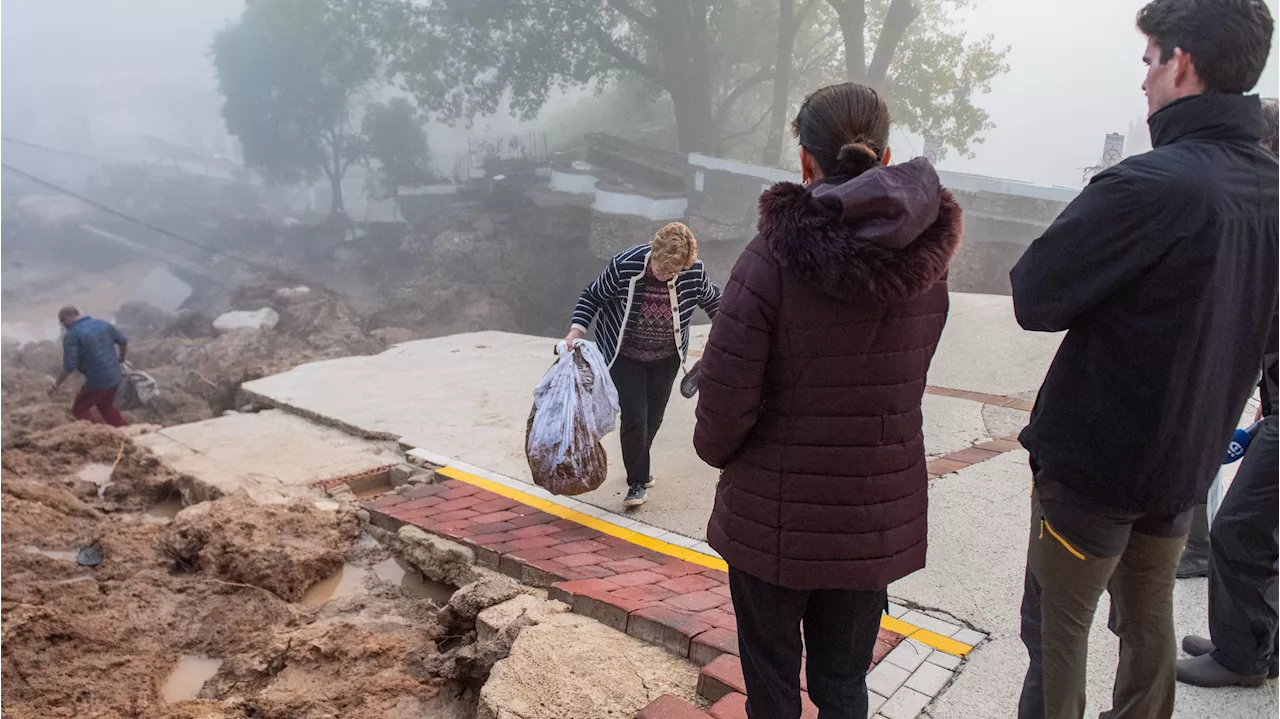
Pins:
<point x="1243" y="562"/>
<point x="840" y="628"/>
<point x="643" y="391"/>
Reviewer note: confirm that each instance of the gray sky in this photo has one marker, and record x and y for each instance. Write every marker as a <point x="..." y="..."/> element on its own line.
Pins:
<point x="1076" y="75"/>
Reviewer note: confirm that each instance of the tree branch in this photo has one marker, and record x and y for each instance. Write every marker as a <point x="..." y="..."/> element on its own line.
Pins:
<point x="804" y="12"/>
<point x="755" y="127"/>
<point x="634" y="15"/>
<point x="897" y="19"/>
<point x="763" y="75"/>
<point x="625" y="60"/>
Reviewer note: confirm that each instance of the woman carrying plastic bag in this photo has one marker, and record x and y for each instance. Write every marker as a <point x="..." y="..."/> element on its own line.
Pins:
<point x="574" y="406"/>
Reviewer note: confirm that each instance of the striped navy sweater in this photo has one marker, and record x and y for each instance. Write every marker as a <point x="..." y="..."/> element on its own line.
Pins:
<point x="612" y="297"/>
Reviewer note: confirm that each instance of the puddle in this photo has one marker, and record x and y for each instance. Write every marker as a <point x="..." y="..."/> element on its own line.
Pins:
<point x="66" y="556"/>
<point x="400" y="573"/>
<point x="343" y="583"/>
<point x="376" y="490"/>
<point x="97" y="473"/>
<point x="163" y="512"/>
<point x="188" y="677"/>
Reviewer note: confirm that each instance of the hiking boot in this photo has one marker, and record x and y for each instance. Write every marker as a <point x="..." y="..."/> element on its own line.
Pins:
<point x="1193" y="564"/>
<point x="651" y="482"/>
<point x="1203" y="671"/>
<point x="1196" y="646"/>
<point x="636" y="496"/>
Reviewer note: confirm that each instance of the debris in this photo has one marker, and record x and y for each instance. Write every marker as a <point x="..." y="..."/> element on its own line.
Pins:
<point x="595" y="672"/>
<point x="90" y="556"/>
<point x="262" y="319"/>
<point x="437" y="558"/>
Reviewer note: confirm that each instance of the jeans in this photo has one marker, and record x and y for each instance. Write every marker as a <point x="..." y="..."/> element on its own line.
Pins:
<point x="1243" y="562"/>
<point x="1065" y="580"/>
<point x="104" y="400"/>
<point x="840" y="628"/>
<point x="643" y="391"/>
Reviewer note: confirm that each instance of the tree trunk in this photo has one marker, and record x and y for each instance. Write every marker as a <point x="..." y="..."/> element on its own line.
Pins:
<point x="853" y="29"/>
<point x="335" y="198"/>
<point x="772" y="156"/>
<point x="897" y="19"/>
<point x="686" y="71"/>
<point x="335" y="171"/>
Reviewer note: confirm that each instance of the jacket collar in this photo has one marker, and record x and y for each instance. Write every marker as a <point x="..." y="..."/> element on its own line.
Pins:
<point x="1208" y="117"/>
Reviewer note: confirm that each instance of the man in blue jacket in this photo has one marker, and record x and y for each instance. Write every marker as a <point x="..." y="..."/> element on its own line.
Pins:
<point x="1163" y="274"/>
<point x="90" y="348"/>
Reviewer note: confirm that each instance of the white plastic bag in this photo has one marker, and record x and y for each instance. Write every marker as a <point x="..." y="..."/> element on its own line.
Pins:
<point x="137" y="388"/>
<point x="574" y="406"/>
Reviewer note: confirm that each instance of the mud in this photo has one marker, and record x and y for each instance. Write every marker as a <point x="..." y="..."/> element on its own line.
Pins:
<point x="200" y="616"/>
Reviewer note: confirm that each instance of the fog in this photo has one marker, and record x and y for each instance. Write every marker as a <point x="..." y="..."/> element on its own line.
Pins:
<point x="93" y="76"/>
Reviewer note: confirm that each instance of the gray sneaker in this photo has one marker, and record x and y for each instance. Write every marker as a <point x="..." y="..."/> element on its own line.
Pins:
<point x="636" y="496"/>
<point x="651" y="482"/>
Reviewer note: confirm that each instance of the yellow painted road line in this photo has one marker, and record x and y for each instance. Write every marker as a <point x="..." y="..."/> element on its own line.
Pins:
<point x="924" y="636"/>
<point x="586" y="520"/>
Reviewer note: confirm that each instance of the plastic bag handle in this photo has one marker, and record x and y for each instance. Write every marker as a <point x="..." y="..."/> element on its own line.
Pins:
<point x="562" y="346"/>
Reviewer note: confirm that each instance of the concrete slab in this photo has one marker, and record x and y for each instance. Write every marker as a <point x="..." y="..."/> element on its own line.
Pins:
<point x="984" y="350"/>
<point x="272" y="455"/>
<point x="975" y="571"/>
<point x="467" y="397"/>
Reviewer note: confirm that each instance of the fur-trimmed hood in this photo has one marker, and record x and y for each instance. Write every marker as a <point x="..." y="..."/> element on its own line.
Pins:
<point x="889" y="232"/>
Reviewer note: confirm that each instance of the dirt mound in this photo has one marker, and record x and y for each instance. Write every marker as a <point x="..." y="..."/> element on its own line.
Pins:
<point x="91" y="461"/>
<point x="282" y="548"/>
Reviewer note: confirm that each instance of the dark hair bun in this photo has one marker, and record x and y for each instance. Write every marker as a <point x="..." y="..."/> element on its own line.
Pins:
<point x="856" y="158"/>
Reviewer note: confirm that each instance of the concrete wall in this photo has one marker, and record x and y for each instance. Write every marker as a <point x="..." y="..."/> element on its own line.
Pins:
<point x="1002" y="217"/>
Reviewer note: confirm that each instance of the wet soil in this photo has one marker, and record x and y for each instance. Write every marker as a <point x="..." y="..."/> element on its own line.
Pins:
<point x="219" y="610"/>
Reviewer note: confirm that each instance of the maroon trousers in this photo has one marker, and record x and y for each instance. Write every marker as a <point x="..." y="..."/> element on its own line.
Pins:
<point x="104" y="400"/>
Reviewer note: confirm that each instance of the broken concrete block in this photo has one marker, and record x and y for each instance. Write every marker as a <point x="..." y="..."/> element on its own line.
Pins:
<point x="501" y="622"/>
<point x="489" y="589"/>
<point x="436" y="557"/>
<point x="404" y="473"/>
<point x="262" y="319"/>
<point x="613" y="675"/>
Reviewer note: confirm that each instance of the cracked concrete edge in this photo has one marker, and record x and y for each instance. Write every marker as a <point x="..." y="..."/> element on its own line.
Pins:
<point x="946" y="616"/>
<point x="323" y="420"/>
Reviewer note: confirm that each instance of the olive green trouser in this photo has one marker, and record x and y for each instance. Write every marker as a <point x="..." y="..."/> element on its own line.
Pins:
<point x="1064" y="585"/>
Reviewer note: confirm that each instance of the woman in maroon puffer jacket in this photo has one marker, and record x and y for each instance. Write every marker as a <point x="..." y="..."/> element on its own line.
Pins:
<point x="810" y="393"/>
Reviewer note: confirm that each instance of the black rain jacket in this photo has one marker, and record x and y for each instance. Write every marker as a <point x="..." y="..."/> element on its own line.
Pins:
<point x="1163" y="273"/>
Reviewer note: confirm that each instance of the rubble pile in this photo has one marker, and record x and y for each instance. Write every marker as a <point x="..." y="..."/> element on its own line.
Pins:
<point x="199" y="369"/>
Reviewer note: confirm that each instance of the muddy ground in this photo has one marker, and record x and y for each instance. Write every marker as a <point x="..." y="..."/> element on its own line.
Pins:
<point x="244" y="601"/>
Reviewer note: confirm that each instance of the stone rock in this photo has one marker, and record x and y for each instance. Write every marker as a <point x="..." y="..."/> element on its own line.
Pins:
<point x="395" y="335"/>
<point x="488" y="589"/>
<point x="261" y="319"/>
<point x="438" y="558"/>
<point x="573" y="666"/>
<point x="403" y="474"/>
<point x="501" y="622"/>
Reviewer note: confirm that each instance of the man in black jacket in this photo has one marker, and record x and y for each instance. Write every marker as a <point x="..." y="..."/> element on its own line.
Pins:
<point x="1163" y="271"/>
